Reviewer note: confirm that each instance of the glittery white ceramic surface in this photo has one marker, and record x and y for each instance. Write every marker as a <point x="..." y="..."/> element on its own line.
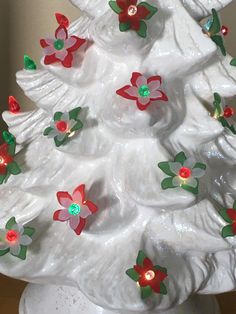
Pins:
<point x="116" y="156"/>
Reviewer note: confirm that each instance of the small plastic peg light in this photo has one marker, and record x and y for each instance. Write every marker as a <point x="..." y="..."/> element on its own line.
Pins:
<point x="62" y="20"/>
<point x="224" y="30"/>
<point x="14" y="106"/>
<point x="29" y="64"/>
<point x="8" y="138"/>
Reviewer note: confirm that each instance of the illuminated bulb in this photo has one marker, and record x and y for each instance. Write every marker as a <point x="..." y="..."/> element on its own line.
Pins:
<point x="185" y="173"/>
<point x="14" y="106"/>
<point x="150" y="275"/>
<point x="12" y="236"/>
<point x="132" y="10"/>
<point x="74" y="209"/>
<point x="1" y="160"/>
<point x="71" y="134"/>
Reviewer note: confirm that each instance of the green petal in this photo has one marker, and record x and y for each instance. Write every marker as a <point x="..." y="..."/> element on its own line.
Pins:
<point x="200" y="165"/>
<point x="227" y="231"/>
<point x="60" y="143"/>
<point x="216" y="24"/>
<point x="29" y="231"/>
<point x="23" y="252"/>
<point x="57" y="116"/>
<point x="153" y="10"/>
<point x="142" y="32"/>
<point x="218" y="40"/>
<point x="190" y="188"/>
<point x="4" y="252"/>
<point x="163" y="289"/>
<point x="180" y="157"/>
<point x="11" y="222"/>
<point x="234" y="205"/>
<point x="226" y="124"/>
<point x="79" y="125"/>
<point x="73" y="114"/>
<point x="29" y="64"/>
<point x="167" y="183"/>
<point x="233" y="62"/>
<point x="224" y="215"/>
<point x="2" y="178"/>
<point x="13" y="168"/>
<point x="47" y="131"/>
<point x="146" y="292"/>
<point x="140" y="258"/>
<point x="132" y="274"/>
<point x="217" y="104"/>
<point x="165" y="167"/>
<point x="124" y="27"/>
<point x="115" y="7"/>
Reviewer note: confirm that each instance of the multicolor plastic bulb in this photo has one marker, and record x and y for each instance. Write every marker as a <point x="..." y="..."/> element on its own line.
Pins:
<point x="14" y="106"/>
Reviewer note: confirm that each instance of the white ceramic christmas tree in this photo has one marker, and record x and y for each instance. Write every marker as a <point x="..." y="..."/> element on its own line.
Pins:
<point x="114" y="148"/>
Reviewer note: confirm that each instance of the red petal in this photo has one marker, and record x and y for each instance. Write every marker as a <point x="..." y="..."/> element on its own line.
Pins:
<point x="122" y="92"/>
<point x="62" y="20"/>
<point x="56" y="215"/>
<point x="81" y="190"/>
<point x="234" y="228"/>
<point x="50" y="59"/>
<point x="144" y="282"/>
<point x="67" y="62"/>
<point x="147" y="263"/>
<point x="123" y="18"/>
<point x="231" y="213"/>
<point x="7" y="159"/>
<point x="143" y="107"/>
<point x="59" y="28"/>
<point x="155" y="285"/>
<point x="92" y="207"/>
<point x="139" y="269"/>
<point x="122" y="4"/>
<point x="132" y="2"/>
<point x="154" y="78"/>
<point x="43" y="43"/>
<point x="4" y="149"/>
<point x="142" y="12"/>
<point x="63" y="197"/>
<point x="135" y="76"/>
<point x="81" y="226"/>
<point x="135" y="24"/>
<point x="3" y="169"/>
<point x="162" y="97"/>
<point x="160" y="275"/>
<point x="76" y="46"/>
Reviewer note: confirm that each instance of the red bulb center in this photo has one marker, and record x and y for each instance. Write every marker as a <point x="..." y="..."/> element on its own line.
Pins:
<point x="150" y="275"/>
<point x="228" y="112"/>
<point x="12" y="236"/>
<point x="62" y="126"/>
<point x="185" y="172"/>
<point x="224" y="30"/>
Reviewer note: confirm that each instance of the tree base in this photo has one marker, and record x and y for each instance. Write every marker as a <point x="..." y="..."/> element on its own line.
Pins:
<point x="42" y="299"/>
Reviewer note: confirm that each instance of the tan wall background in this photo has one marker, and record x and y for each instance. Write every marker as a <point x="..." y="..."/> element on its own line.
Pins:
<point x="22" y="24"/>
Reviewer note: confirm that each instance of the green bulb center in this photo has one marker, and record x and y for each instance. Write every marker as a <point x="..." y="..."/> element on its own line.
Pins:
<point x="59" y="44"/>
<point x="74" y="209"/>
<point x="144" y="91"/>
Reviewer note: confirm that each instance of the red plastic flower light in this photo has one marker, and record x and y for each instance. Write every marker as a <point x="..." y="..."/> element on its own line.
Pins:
<point x="148" y="276"/>
<point x="143" y="90"/>
<point x="61" y="48"/>
<point x="75" y="209"/>
<point x="5" y="158"/>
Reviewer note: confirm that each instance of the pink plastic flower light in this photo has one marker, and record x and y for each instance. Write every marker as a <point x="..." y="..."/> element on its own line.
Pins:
<point x="61" y="48"/>
<point x="143" y="90"/>
<point x="75" y="209"/>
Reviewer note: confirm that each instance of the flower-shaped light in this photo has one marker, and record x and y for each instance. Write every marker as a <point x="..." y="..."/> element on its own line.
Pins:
<point x="132" y="15"/>
<point x="15" y="238"/>
<point x="63" y="126"/>
<point x="148" y="277"/>
<point x="223" y="113"/>
<point x="144" y="91"/>
<point x="7" y="152"/>
<point x="183" y="172"/>
<point x="61" y="48"/>
<point x="76" y="209"/>
<point x="229" y="215"/>
<point x="216" y="31"/>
